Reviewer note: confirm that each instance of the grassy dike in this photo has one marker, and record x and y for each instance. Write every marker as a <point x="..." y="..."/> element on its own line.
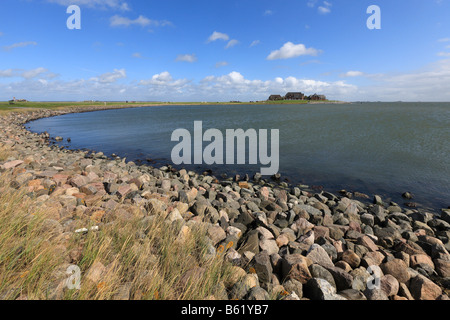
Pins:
<point x="135" y="258"/>
<point x="33" y="262"/>
<point x="5" y="107"/>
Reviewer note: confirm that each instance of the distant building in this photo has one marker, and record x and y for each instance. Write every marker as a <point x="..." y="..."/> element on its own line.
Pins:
<point x="294" y="96"/>
<point x="316" y="97"/>
<point x="14" y="100"/>
<point x="275" y="97"/>
<point x="297" y="96"/>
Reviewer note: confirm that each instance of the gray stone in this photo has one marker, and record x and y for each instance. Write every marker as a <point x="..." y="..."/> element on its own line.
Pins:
<point x="320" y="272"/>
<point x="263" y="267"/>
<point x="342" y="279"/>
<point x="320" y="289"/>
<point x="269" y="245"/>
<point x="375" y="294"/>
<point x="353" y="295"/>
<point x="294" y="286"/>
<point x="318" y="255"/>
<point x="257" y="294"/>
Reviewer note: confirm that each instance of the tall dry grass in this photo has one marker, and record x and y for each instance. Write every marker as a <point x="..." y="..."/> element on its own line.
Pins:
<point x="137" y="259"/>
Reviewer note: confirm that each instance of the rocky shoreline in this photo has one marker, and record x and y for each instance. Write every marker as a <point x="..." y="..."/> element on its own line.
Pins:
<point x="283" y="241"/>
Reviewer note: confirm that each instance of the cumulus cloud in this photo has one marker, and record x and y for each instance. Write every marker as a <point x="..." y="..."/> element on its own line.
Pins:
<point x="163" y="79"/>
<point x="290" y="50"/>
<point x="119" y="21"/>
<point x="255" y="43"/>
<point x="187" y="58"/>
<point x="163" y="86"/>
<point x="218" y="36"/>
<point x="27" y="74"/>
<point x="34" y="73"/>
<point x="325" y="8"/>
<point x="352" y="74"/>
<point x="6" y="73"/>
<point x="430" y="83"/>
<point x="110" y="77"/>
<point x="20" y="45"/>
<point x="231" y="43"/>
<point x="236" y="85"/>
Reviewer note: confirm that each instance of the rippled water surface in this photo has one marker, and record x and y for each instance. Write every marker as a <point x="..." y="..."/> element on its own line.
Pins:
<point x="376" y="148"/>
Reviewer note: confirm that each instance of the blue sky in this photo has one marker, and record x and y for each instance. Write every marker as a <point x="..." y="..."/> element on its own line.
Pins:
<point x="224" y="50"/>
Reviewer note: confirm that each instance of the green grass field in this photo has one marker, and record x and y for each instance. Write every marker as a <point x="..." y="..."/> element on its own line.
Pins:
<point x="6" y="107"/>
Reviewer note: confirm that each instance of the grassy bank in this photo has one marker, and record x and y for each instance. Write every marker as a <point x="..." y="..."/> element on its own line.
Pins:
<point x="5" y="107"/>
<point x="125" y="259"/>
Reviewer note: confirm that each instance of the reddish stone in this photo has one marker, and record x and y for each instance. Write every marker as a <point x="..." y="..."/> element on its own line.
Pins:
<point x="12" y="164"/>
<point x="424" y="289"/>
<point x="396" y="268"/>
<point x="368" y="243"/>
<point x="421" y="259"/>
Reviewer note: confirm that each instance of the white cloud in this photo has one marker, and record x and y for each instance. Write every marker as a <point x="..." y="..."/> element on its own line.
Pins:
<point x="102" y="4"/>
<point x="255" y="43"/>
<point x="20" y="45"/>
<point x="235" y="86"/>
<point x="123" y="21"/>
<point x="430" y="83"/>
<point x="290" y="50"/>
<point x="34" y="73"/>
<point x="444" y="40"/>
<point x="218" y="36"/>
<point x="27" y="74"/>
<point x="162" y="86"/>
<point x="6" y="73"/>
<point x="187" y="58"/>
<point x="221" y="64"/>
<point x="119" y="21"/>
<point x="110" y="77"/>
<point x="164" y="79"/>
<point x="352" y="74"/>
<point x="137" y="55"/>
<point x="443" y="54"/>
<point x="231" y="43"/>
<point x="325" y="8"/>
<point x="268" y="12"/>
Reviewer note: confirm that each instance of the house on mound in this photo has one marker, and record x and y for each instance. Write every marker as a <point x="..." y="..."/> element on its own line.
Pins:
<point x="294" y="96"/>
<point x="275" y="97"/>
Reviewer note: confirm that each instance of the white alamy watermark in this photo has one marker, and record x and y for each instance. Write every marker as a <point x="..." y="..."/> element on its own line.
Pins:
<point x="74" y="280"/>
<point x="374" y="21"/>
<point x="74" y="21"/>
<point x="229" y="150"/>
<point x="374" y="280"/>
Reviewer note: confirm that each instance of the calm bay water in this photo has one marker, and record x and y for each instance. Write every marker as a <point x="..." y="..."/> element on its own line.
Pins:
<point x="375" y="148"/>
